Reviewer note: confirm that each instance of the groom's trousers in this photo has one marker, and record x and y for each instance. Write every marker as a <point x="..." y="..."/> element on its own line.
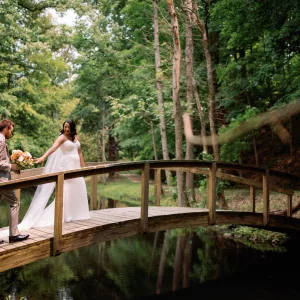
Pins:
<point x="10" y="197"/>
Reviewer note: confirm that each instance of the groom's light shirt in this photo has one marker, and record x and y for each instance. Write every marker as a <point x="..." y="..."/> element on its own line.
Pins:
<point x="5" y="165"/>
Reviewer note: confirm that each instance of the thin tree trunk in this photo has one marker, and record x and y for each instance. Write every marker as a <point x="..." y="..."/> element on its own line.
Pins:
<point x="153" y="141"/>
<point x="201" y="116"/>
<point x="211" y="98"/>
<point x="158" y="75"/>
<point x="98" y="140"/>
<point x="176" y="100"/>
<point x="255" y="151"/>
<point x="291" y="139"/>
<point x="189" y="60"/>
<point x="103" y="133"/>
<point x="211" y="87"/>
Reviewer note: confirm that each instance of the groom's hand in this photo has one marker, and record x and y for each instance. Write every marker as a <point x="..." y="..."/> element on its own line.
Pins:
<point x="14" y="167"/>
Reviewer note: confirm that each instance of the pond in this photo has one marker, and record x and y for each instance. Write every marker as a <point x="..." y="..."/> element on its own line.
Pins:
<point x="175" y="263"/>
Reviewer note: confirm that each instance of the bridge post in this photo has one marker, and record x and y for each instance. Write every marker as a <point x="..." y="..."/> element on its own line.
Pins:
<point x="289" y="205"/>
<point x="252" y="197"/>
<point x="59" y="193"/>
<point x="157" y="187"/>
<point x="145" y="197"/>
<point x="212" y="186"/>
<point x="266" y="198"/>
<point x="93" y="199"/>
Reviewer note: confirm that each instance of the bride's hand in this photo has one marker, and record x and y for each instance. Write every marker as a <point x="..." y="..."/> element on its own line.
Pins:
<point x="39" y="160"/>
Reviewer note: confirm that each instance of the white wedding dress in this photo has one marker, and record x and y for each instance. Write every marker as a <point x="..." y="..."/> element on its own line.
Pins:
<point x="75" y="201"/>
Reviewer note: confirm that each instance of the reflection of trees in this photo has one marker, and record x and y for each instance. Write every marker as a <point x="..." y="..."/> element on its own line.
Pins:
<point x="187" y="260"/>
<point x="196" y="255"/>
<point x="130" y="267"/>
<point x="178" y="260"/>
<point x="162" y="263"/>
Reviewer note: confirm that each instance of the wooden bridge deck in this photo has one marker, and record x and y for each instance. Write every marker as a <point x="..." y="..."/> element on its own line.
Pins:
<point x="104" y="225"/>
<point x="114" y="223"/>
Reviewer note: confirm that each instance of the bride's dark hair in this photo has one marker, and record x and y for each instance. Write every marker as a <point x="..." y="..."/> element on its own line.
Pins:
<point x="72" y="128"/>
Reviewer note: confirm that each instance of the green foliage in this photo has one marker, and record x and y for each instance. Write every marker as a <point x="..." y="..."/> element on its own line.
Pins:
<point x="232" y="151"/>
<point x="260" y="239"/>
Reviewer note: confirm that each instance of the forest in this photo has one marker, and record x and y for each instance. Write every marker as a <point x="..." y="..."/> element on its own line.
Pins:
<point x="128" y="71"/>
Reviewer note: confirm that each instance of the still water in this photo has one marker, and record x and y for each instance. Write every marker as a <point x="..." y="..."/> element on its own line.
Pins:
<point x="168" y="264"/>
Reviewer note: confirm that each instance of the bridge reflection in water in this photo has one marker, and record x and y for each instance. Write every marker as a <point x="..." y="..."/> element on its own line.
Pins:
<point x="110" y="224"/>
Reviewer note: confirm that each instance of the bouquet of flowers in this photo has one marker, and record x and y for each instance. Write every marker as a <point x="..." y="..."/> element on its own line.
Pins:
<point x="24" y="160"/>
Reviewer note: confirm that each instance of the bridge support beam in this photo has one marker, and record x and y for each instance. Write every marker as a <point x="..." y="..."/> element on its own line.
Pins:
<point x="252" y="198"/>
<point x="212" y="195"/>
<point x="157" y="187"/>
<point x="266" y="198"/>
<point x="59" y="193"/>
<point x="145" y="198"/>
<point x="93" y="200"/>
<point x="290" y="206"/>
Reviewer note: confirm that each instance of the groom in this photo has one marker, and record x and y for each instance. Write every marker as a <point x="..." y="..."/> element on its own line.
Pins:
<point x="6" y="130"/>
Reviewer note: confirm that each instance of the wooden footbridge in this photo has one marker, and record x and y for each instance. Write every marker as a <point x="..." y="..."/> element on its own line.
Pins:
<point x="114" y="223"/>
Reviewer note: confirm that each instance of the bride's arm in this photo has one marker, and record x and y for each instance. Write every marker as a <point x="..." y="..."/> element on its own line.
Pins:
<point x="53" y="148"/>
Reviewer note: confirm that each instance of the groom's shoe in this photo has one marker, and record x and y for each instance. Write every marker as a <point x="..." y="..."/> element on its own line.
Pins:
<point x="18" y="238"/>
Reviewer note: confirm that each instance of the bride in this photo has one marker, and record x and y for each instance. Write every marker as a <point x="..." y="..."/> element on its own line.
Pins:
<point x="65" y="154"/>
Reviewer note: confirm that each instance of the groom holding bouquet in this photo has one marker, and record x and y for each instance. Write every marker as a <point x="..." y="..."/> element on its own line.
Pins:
<point x="6" y="130"/>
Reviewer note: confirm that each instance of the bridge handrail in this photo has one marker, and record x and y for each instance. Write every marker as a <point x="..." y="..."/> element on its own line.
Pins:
<point x="145" y="166"/>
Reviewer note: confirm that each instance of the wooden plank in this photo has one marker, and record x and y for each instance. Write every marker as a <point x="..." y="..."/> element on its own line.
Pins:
<point x="59" y="192"/>
<point x="86" y="232"/>
<point x="212" y="194"/>
<point x="236" y="179"/>
<point x="266" y="198"/>
<point x="252" y="198"/>
<point x="93" y="200"/>
<point x="157" y="187"/>
<point x="289" y="205"/>
<point x="145" y="197"/>
<point x="22" y="256"/>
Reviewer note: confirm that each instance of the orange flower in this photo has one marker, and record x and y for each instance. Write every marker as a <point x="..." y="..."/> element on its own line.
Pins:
<point x="22" y="159"/>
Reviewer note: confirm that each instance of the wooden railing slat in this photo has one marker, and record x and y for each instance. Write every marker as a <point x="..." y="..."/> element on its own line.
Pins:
<point x="266" y="198"/>
<point x="145" y="197"/>
<point x="157" y="187"/>
<point x="93" y="199"/>
<point x="58" y="215"/>
<point x="212" y="194"/>
<point x="252" y="198"/>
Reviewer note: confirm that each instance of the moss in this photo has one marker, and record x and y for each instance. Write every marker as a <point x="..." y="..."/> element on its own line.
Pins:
<point x="257" y="238"/>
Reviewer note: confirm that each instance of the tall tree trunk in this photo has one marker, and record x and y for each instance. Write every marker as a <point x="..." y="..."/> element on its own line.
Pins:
<point x="103" y="133"/>
<point x="201" y="116"/>
<point x="153" y="141"/>
<point x="158" y="75"/>
<point x="98" y="140"/>
<point x="189" y="60"/>
<point x="255" y="151"/>
<point x="210" y="79"/>
<point x="176" y="101"/>
<point x="212" y="95"/>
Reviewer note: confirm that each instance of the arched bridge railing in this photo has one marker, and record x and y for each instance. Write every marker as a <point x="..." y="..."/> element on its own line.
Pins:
<point x="208" y="168"/>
